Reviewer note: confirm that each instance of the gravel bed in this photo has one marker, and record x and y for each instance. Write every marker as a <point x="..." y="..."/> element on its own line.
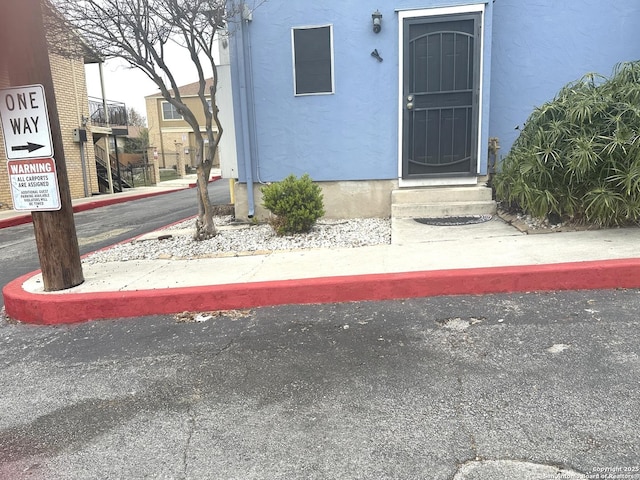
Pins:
<point x="538" y="223"/>
<point x="239" y="239"/>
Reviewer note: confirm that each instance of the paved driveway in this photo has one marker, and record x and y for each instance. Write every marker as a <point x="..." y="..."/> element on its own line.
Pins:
<point x="464" y="387"/>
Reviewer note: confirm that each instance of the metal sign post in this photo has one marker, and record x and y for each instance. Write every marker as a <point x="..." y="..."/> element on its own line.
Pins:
<point x="26" y="123"/>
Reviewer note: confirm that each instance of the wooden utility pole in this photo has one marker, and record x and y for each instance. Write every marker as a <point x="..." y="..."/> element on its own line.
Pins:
<point x="26" y="57"/>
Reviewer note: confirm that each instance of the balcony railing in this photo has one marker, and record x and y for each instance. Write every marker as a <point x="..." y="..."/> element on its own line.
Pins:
<point x="117" y="113"/>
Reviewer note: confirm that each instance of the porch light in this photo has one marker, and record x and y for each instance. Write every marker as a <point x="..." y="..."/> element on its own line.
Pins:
<point x="377" y="21"/>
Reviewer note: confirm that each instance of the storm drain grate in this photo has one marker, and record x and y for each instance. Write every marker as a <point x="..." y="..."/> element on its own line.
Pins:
<point x="452" y="221"/>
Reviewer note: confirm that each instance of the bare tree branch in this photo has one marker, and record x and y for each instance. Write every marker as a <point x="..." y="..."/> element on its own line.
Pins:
<point x="138" y="31"/>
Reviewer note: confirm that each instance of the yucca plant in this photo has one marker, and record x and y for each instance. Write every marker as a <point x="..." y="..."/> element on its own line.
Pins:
<point x="578" y="155"/>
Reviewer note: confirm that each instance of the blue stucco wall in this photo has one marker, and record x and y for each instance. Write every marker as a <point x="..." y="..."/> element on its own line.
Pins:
<point x="350" y="135"/>
<point x="539" y="46"/>
<point x="534" y="47"/>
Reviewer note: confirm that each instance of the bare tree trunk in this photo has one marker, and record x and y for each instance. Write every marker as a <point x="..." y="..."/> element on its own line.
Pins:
<point x="205" y="228"/>
<point x="137" y="31"/>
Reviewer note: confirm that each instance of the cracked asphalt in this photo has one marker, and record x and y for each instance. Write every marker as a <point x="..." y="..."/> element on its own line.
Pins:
<point x="525" y="386"/>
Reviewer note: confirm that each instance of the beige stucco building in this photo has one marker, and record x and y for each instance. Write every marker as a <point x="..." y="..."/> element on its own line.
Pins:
<point x="171" y="138"/>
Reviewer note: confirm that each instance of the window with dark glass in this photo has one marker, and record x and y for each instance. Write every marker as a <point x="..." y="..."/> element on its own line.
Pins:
<point x="169" y="112"/>
<point x="313" y="60"/>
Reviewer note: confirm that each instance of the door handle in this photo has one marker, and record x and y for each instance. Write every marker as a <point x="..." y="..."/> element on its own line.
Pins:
<point x="409" y="102"/>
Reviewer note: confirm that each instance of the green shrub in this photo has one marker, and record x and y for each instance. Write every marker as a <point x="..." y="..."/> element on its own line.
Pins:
<point x="167" y="174"/>
<point x="578" y="155"/>
<point x="295" y="202"/>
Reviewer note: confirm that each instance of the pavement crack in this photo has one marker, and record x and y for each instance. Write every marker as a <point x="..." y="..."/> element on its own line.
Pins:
<point x="191" y="426"/>
<point x="474" y="447"/>
<point x="224" y="348"/>
<point x="465" y="428"/>
<point x="111" y="361"/>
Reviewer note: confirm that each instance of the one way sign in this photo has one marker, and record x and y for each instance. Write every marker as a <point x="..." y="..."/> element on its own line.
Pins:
<point x="25" y="122"/>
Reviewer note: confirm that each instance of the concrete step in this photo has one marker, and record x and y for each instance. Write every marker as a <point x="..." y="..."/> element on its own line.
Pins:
<point x="474" y="193"/>
<point x="435" y="210"/>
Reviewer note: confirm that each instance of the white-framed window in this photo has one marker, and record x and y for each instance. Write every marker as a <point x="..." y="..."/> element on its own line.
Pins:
<point x="312" y="60"/>
<point x="169" y="112"/>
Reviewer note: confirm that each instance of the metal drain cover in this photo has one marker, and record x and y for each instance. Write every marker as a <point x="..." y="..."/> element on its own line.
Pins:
<point x="453" y="221"/>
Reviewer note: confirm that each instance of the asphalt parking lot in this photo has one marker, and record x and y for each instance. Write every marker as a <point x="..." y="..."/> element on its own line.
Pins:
<point x="464" y="387"/>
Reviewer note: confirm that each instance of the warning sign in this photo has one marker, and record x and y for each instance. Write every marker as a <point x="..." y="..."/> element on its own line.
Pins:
<point x="34" y="184"/>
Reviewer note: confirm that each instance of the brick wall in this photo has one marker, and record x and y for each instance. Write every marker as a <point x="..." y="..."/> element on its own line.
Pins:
<point x="71" y="96"/>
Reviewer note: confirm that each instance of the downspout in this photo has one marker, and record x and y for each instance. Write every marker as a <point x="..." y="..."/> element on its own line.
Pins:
<point x="251" y="105"/>
<point x="83" y="162"/>
<point x="246" y="85"/>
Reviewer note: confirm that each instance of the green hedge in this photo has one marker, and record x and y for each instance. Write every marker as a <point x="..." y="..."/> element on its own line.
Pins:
<point x="578" y="156"/>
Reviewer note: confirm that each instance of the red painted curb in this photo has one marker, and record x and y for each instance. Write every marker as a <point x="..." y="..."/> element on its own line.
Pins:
<point x="99" y="202"/>
<point x="211" y="180"/>
<point x="59" y="308"/>
<point x="15" y="221"/>
<point x="115" y="200"/>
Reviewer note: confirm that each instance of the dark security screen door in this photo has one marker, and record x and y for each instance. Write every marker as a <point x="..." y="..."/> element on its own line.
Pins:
<point x="440" y="95"/>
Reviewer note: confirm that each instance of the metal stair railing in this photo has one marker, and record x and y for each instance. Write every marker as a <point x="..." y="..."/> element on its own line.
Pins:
<point x="119" y="182"/>
<point x="117" y="112"/>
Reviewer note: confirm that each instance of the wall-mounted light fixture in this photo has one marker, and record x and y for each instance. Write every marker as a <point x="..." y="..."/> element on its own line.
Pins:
<point x="377" y="21"/>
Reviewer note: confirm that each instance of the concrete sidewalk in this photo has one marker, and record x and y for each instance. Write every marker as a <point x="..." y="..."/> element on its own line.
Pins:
<point x="490" y="257"/>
